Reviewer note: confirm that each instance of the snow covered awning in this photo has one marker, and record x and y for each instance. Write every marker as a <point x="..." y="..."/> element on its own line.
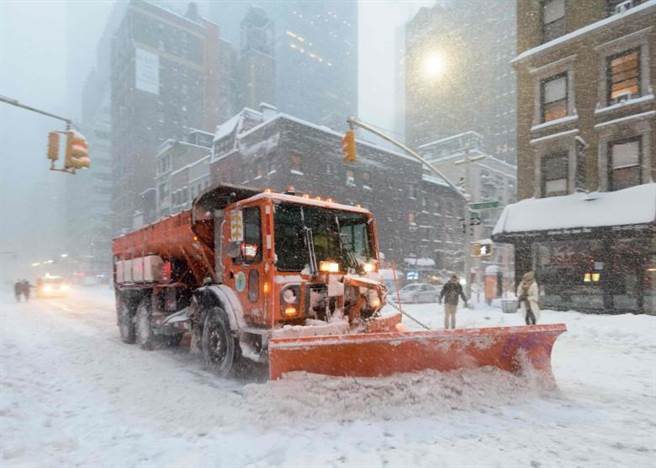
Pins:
<point x="630" y="208"/>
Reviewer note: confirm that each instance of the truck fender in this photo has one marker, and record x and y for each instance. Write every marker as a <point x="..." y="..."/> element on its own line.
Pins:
<point x="225" y="297"/>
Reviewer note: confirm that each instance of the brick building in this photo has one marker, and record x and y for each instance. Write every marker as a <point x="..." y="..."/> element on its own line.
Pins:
<point x="586" y="145"/>
<point x="418" y="215"/>
<point x="182" y="172"/>
<point x="168" y="73"/>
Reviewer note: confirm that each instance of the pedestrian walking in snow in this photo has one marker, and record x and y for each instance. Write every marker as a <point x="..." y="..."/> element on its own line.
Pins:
<point x="528" y="295"/>
<point x="18" y="290"/>
<point x="25" y="286"/>
<point x="451" y="294"/>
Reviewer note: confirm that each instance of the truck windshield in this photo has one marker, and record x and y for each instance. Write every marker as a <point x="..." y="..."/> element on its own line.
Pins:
<point x="336" y="234"/>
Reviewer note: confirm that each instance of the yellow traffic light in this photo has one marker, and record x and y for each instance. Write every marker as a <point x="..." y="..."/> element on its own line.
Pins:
<point x="77" y="151"/>
<point x="348" y="146"/>
<point x="53" y="146"/>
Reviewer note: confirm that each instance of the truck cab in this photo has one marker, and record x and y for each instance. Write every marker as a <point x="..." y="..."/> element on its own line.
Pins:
<point x="245" y="266"/>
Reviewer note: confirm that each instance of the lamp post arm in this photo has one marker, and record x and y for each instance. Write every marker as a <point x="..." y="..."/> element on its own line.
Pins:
<point x="355" y="122"/>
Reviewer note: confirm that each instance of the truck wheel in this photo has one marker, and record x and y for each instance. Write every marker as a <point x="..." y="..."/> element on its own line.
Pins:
<point x="221" y="350"/>
<point x="143" y="331"/>
<point x="124" y="319"/>
<point x="173" y="341"/>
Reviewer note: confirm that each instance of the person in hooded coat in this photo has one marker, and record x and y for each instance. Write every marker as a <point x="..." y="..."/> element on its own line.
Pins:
<point x="527" y="297"/>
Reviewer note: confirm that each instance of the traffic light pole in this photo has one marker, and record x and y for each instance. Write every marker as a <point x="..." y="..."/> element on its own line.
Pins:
<point x="354" y="122"/>
<point x="14" y="102"/>
<point x="69" y="124"/>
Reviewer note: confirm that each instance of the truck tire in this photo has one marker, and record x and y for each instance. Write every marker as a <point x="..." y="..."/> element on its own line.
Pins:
<point x="173" y="341"/>
<point x="124" y="321"/>
<point x="143" y="330"/>
<point x="221" y="351"/>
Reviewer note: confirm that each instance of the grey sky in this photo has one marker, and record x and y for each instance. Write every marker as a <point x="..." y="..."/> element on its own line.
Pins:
<point x="37" y="41"/>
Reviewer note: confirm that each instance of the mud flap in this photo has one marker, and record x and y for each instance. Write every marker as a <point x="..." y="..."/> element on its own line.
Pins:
<point x="378" y="354"/>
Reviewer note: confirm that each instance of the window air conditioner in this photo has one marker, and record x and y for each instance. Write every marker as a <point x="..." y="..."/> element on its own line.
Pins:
<point x="622" y="97"/>
<point x="622" y="7"/>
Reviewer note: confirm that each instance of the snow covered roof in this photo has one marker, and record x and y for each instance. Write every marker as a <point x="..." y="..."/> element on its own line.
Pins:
<point x="580" y="211"/>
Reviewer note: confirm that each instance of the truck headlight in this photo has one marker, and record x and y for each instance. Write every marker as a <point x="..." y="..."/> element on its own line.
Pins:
<point x="290" y="312"/>
<point x="328" y="267"/>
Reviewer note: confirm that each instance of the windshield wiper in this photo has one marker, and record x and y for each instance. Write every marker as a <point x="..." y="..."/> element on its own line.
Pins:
<point x="309" y="243"/>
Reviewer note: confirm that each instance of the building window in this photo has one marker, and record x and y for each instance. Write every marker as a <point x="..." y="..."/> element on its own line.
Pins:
<point x="623" y="75"/>
<point x="350" y="178"/>
<point x="554" y="97"/>
<point x="619" y="6"/>
<point x="296" y="163"/>
<point x="412" y="191"/>
<point x="329" y="169"/>
<point x="553" y="19"/>
<point x="411" y="218"/>
<point x="624" y="163"/>
<point x="554" y="174"/>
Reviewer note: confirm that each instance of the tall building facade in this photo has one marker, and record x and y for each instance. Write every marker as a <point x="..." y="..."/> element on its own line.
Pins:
<point x="458" y="76"/>
<point x="315" y="51"/>
<point x="256" y="73"/>
<point x="587" y="142"/>
<point x="166" y="76"/>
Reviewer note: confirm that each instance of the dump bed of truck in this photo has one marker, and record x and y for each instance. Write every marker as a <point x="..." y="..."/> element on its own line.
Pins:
<point x="169" y="238"/>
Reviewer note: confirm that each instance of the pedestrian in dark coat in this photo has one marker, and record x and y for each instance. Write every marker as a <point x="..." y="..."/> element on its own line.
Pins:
<point x="451" y="294"/>
<point x="18" y="290"/>
<point x="26" y="289"/>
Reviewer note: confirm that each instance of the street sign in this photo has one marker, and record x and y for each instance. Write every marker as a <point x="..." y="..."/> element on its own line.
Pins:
<point x="486" y="205"/>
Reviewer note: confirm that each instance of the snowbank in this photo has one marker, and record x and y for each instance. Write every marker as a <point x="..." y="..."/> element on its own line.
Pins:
<point x="73" y="394"/>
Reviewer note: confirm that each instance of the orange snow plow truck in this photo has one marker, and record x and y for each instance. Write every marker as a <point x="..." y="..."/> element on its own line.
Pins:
<point x="293" y="282"/>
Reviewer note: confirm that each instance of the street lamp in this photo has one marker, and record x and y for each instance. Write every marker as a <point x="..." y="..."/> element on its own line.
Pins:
<point x="64" y="255"/>
<point x="434" y="65"/>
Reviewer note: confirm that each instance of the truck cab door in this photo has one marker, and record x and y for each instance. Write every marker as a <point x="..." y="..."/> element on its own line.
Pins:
<point x="245" y="272"/>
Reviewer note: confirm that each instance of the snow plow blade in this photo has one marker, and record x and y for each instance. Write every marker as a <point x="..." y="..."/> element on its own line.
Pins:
<point x="380" y="354"/>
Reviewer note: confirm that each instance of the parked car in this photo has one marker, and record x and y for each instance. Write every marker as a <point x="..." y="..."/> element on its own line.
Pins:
<point x="51" y="286"/>
<point x="419" y="292"/>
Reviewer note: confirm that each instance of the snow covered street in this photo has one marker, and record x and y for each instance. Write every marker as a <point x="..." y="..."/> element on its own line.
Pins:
<point x="72" y="394"/>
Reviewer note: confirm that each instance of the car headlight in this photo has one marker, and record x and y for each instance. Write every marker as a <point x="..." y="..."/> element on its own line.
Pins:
<point x="65" y="287"/>
<point x="47" y="288"/>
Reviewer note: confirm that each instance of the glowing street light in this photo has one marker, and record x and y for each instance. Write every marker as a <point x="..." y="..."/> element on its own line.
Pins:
<point x="36" y="264"/>
<point x="64" y="255"/>
<point x="434" y="65"/>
